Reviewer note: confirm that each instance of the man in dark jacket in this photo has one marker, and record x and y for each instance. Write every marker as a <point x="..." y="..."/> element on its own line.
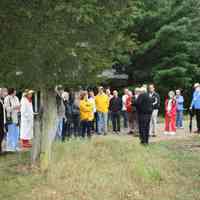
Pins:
<point x="144" y="110"/>
<point x="155" y="99"/>
<point x="115" y="109"/>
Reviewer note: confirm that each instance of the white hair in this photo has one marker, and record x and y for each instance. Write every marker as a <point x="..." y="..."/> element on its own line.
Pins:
<point x="65" y="95"/>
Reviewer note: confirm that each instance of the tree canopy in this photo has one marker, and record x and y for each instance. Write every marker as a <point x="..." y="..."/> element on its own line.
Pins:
<point x="167" y="33"/>
<point x="46" y="42"/>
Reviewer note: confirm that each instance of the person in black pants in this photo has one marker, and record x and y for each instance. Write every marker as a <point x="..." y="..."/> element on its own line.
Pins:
<point x="1" y="124"/>
<point x="144" y="110"/>
<point x="115" y="109"/>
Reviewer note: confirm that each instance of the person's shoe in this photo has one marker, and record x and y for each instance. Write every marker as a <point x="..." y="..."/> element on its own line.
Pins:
<point x="130" y="133"/>
<point x="154" y="135"/>
<point x="10" y="150"/>
<point x="18" y="149"/>
<point x="172" y="133"/>
<point x="197" y="132"/>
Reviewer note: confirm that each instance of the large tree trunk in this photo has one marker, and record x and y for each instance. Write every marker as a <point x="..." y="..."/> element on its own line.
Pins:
<point x="45" y="129"/>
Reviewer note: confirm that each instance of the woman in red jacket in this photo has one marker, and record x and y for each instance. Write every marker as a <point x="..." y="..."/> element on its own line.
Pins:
<point x="129" y="109"/>
<point x="170" y="114"/>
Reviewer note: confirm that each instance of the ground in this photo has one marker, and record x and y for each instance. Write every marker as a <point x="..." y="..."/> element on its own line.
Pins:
<point x="108" y="168"/>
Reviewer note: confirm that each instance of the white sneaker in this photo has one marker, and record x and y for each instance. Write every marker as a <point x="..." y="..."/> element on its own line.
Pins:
<point x="172" y="133"/>
<point x="10" y="150"/>
<point x="166" y="133"/>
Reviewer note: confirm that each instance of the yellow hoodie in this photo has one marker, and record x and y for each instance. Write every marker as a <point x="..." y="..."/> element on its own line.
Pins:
<point x="102" y="103"/>
<point x="86" y="110"/>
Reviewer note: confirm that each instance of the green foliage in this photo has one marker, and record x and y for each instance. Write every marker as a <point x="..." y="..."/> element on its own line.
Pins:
<point x="169" y="44"/>
<point x="62" y="41"/>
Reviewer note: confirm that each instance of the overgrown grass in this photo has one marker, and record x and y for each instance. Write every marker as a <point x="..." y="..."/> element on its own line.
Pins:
<point x="107" y="168"/>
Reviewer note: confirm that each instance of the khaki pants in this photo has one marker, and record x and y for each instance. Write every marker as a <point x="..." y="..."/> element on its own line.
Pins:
<point x="153" y="123"/>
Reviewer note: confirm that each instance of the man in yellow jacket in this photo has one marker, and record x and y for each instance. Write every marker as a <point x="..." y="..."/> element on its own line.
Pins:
<point x="102" y="106"/>
<point x="86" y="114"/>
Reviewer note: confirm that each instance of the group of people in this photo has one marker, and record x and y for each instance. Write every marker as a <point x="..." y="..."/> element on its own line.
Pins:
<point x="83" y="113"/>
<point x="16" y="119"/>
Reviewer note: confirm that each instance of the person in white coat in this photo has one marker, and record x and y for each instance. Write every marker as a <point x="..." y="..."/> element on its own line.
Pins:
<point x="27" y="119"/>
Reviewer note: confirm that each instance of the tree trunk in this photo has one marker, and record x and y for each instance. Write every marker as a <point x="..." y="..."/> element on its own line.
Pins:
<point x="45" y="129"/>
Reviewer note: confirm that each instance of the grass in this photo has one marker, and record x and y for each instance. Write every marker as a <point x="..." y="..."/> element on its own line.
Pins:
<point x="107" y="168"/>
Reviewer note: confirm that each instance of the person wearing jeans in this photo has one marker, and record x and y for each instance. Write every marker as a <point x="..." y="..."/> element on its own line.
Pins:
<point x="179" y="109"/>
<point x="115" y="109"/>
<point x="196" y="105"/>
<point x="155" y="99"/>
<point x="12" y="107"/>
<point x="124" y="108"/>
<point x="102" y="105"/>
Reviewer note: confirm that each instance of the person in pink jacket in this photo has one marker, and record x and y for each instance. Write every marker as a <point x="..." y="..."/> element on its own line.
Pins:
<point x="170" y="114"/>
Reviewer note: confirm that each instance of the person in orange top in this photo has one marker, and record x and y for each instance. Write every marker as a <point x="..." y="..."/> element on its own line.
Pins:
<point x="86" y="114"/>
<point x="102" y="106"/>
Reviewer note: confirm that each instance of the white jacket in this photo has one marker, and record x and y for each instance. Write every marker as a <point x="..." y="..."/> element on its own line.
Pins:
<point x="27" y="119"/>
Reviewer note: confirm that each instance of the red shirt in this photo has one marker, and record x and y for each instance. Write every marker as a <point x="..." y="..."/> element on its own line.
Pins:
<point x="129" y="104"/>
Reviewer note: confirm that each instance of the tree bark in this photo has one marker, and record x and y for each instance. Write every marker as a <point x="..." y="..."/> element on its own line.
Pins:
<point x="45" y="129"/>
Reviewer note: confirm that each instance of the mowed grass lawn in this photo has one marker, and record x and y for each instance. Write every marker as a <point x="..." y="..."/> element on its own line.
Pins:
<point x="107" y="168"/>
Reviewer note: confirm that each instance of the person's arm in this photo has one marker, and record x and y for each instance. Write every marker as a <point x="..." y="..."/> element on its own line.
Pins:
<point x="57" y="91"/>
<point x="121" y="105"/>
<point x="85" y="107"/>
<point x="7" y="104"/>
<point x="110" y="105"/>
<point x="193" y="100"/>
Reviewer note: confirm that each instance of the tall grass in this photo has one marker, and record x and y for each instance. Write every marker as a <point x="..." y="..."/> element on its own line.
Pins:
<point x="118" y="168"/>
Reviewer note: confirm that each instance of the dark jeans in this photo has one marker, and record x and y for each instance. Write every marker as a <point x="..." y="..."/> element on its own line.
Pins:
<point x="198" y="119"/>
<point x="94" y="123"/>
<point x="76" y="125"/>
<point x="116" y="121"/>
<point x="144" y="126"/>
<point x="125" y="118"/>
<point x="1" y="137"/>
<point x="85" y="128"/>
<point x="71" y="127"/>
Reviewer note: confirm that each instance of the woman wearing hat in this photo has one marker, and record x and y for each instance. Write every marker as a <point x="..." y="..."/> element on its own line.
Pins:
<point x="27" y="118"/>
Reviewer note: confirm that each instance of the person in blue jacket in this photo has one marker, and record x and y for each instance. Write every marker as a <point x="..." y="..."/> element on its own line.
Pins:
<point x="179" y="109"/>
<point x="196" y="105"/>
